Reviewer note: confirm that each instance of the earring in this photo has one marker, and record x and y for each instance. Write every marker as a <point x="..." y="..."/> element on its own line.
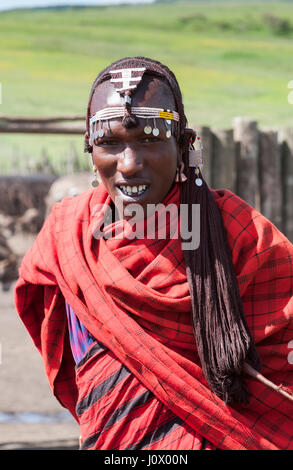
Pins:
<point x="195" y="158"/>
<point x="180" y="176"/>
<point x="198" y="180"/>
<point x="95" y="180"/>
<point x="195" y="152"/>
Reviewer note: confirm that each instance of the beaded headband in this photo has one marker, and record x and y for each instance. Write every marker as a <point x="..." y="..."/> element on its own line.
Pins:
<point x="141" y="112"/>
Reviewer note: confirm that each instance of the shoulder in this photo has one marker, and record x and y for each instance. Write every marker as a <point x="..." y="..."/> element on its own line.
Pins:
<point x="248" y="231"/>
<point x="227" y="199"/>
<point x="80" y="199"/>
<point x="235" y="211"/>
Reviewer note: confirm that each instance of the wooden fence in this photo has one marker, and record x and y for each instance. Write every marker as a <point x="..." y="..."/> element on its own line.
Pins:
<point x="256" y="164"/>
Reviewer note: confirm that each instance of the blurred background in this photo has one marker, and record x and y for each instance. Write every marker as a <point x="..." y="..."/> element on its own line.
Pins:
<point x="233" y="60"/>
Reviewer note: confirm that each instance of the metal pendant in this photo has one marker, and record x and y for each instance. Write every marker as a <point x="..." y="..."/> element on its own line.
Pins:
<point x="168" y="127"/>
<point x="95" y="131"/>
<point x="156" y="131"/>
<point x="147" y="130"/>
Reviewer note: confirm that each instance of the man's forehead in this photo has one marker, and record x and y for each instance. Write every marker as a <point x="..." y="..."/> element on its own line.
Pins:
<point x="151" y="92"/>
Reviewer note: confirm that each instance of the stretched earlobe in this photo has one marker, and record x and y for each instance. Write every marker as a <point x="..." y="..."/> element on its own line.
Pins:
<point x="87" y="147"/>
<point x="180" y="176"/>
<point x="190" y="134"/>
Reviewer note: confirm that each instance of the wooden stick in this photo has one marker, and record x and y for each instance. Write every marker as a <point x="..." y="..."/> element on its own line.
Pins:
<point x="278" y="388"/>
<point x="42" y="127"/>
<point x="44" y="119"/>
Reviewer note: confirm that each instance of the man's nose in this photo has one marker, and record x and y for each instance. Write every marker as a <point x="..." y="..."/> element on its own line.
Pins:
<point x="129" y="162"/>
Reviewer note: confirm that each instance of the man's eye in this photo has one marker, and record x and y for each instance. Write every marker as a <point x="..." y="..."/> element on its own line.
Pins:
<point x="148" y="140"/>
<point x="105" y="143"/>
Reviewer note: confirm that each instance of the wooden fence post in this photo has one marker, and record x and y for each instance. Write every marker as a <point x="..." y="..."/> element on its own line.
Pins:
<point x="286" y="141"/>
<point x="270" y="177"/>
<point x="223" y="168"/>
<point x="41" y="127"/>
<point x="247" y="143"/>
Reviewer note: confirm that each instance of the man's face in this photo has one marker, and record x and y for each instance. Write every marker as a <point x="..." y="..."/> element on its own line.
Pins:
<point x="133" y="166"/>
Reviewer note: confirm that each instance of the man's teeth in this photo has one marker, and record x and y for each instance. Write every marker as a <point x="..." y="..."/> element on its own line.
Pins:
<point x="131" y="190"/>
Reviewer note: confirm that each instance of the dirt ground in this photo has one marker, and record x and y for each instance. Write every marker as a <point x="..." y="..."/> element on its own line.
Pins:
<point x="30" y="416"/>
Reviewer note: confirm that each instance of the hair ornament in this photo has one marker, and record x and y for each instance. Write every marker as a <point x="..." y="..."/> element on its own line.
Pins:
<point x="126" y="79"/>
<point x="168" y="123"/>
<point x="100" y="132"/>
<point x="196" y="157"/>
<point x="147" y="128"/>
<point x="127" y="99"/>
<point x="195" y="152"/>
<point x="141" y="112"/>
<point x="155" y="130"/>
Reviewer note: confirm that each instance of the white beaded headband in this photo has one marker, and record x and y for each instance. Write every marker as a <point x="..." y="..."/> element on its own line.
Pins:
<point x="141" y="112"/>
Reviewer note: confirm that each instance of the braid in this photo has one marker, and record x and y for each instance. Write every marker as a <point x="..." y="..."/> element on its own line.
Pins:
<point x="129" y="120"/>
<point x="222" y="336"/>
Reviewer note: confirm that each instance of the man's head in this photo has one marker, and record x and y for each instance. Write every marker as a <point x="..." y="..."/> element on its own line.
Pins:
<point x="133" y="165"/>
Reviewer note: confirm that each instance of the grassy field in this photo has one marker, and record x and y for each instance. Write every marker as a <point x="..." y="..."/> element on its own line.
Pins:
<point x="231" y="58"/>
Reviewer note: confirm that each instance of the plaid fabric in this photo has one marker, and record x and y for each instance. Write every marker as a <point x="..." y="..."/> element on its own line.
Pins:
<point x="67" y="262"/>
<point x="116" y="411"/>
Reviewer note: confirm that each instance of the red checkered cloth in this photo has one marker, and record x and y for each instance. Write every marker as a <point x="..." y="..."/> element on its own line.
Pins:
<point x="117" y="412"/>
<point x="67" y="262"/>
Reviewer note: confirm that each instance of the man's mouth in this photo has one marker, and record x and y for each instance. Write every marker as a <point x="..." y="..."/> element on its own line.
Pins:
<point x="133" y="191"/>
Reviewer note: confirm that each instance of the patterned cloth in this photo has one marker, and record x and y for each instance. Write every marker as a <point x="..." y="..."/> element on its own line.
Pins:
<point x="116" y="411"/>
<point x="134" y="300"/>
<point x="79" y="337"/>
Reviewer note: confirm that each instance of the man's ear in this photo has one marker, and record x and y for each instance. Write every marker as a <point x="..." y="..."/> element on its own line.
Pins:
<point x="87" y="147"/>
<point x="188" y="138"/>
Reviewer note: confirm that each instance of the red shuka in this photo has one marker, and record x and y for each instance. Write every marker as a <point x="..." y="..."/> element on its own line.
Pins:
<point x="118" y="291"/>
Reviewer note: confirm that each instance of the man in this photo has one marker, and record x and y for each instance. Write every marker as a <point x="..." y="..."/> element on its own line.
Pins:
<point x="161" y="332"/>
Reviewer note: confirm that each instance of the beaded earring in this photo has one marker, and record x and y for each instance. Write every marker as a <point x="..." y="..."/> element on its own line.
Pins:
<point x="95" y="180"/>
<point x="195" y="158"/>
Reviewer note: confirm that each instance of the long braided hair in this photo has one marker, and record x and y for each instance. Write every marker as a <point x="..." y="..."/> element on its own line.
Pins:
<point x="222" y="336"/>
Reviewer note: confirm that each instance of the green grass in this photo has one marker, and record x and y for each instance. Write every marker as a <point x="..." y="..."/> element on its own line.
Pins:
<point x="231" y="58"/>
